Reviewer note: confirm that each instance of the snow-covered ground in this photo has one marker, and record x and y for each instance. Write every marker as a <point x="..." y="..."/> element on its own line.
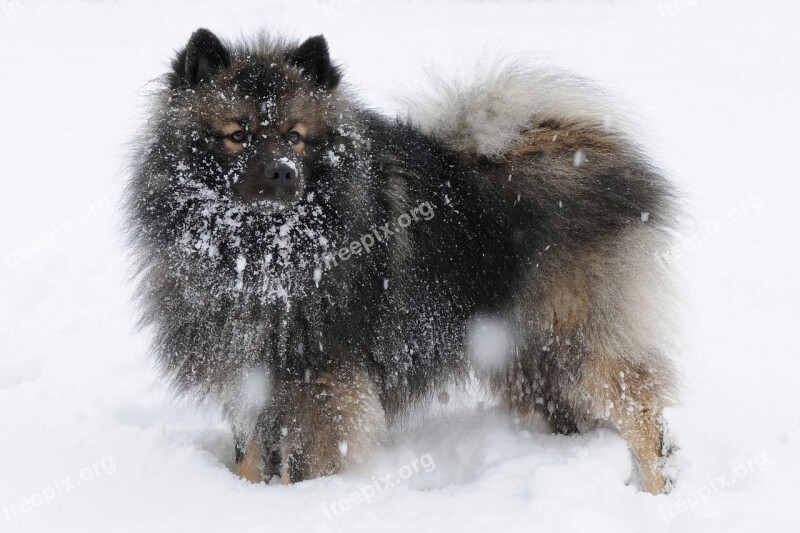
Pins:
<point x="90" y="440"/>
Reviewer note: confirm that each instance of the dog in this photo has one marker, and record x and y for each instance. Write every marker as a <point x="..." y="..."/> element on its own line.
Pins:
<point x="319" y="269"/>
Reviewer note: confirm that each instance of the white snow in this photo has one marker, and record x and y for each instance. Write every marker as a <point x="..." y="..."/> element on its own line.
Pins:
<point x="288" y="162"/>
<point x="490" y="342"/>
<point x="256" y="387"/>
<point x="579" y="158"/>
<point x="91" y="439"/>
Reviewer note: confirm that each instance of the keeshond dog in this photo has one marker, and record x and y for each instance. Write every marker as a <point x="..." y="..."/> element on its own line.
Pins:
<point x="318" y="269"/>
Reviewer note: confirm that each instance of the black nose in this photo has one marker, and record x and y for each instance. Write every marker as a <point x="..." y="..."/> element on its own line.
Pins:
<point x="278" y="170"/>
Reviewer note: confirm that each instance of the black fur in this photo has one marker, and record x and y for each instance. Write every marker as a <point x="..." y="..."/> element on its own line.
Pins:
<point x="313" y="58"/>
<point x="202" y="58"/>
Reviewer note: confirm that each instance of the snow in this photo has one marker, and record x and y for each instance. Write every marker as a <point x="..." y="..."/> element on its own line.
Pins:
<point x="489" y="343"/>
<point x="92" y="439"/>
<point x="291" y="164"/>
<point x="579" y="158"/>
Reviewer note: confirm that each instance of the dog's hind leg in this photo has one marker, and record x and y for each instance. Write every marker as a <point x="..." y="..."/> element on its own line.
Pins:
<point x="602" y="390"/>
<point x="590" y="348"/>
<point x="626" y="395"/>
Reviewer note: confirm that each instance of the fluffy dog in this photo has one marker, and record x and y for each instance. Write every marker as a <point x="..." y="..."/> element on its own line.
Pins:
<point x="319" y="268"/>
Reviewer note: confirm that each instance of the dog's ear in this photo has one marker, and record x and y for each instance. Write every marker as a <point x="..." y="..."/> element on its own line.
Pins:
<point x="313" y="59"/>
<point x="204" y="56"/>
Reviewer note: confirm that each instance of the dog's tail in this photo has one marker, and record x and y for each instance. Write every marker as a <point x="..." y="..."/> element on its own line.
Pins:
<point x="485" y="113"/>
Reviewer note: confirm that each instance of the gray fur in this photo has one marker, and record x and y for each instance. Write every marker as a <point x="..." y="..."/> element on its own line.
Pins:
<point x="482" y="112"/>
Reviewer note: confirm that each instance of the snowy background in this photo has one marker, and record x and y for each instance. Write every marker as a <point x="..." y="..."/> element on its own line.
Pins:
<point x="90" y="439"/>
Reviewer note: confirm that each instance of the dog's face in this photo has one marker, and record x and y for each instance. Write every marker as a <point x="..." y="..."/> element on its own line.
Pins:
<point x="254" y="123"/>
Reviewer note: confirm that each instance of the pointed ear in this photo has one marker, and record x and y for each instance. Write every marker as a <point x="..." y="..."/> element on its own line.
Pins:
<point x="204" y="56"/>
<point x="313" y="59"/>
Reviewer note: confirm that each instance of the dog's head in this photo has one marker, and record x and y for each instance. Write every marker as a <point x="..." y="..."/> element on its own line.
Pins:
<point x="253" y="120"/>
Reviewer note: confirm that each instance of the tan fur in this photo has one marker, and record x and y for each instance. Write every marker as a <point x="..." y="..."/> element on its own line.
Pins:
<point x="286" y="478"/>
<point x="300" y="128"/>
<point x="569" y="301"/>
<point x="299" y="148"/>
<point x="626" y="395"/>
<point x="558" y="148"/>
<point x="227" y="126"/>
<point x="232" y="146"/>
<point x="555" y="138"/>
<point x="333" y="421"/>
<point x="251" y="466"/>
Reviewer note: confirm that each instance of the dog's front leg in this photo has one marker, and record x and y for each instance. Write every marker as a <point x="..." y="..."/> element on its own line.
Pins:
<point x="329" y="421"/>
<point x="250" y="460"/>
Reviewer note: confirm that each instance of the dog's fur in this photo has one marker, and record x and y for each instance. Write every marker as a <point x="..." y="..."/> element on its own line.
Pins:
<point x="525" y="203"/>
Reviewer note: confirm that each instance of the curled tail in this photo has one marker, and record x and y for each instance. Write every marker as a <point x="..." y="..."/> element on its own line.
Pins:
<point x="486" y="114"/>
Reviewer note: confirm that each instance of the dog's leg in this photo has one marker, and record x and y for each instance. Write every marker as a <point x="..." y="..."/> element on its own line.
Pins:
<point x="627" y="397"/>
<point x="250" y="460"/>
<point x="593" y="332"/>
<point x="607" y="391"/>
<point x="329" y="422"/>
<point x="602" y="395"/>
<point x="644" y="435"/>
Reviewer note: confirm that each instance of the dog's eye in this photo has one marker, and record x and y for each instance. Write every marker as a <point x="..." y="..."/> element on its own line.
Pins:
<point x="238" y="136"/>
<point x="294" y="137"/>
